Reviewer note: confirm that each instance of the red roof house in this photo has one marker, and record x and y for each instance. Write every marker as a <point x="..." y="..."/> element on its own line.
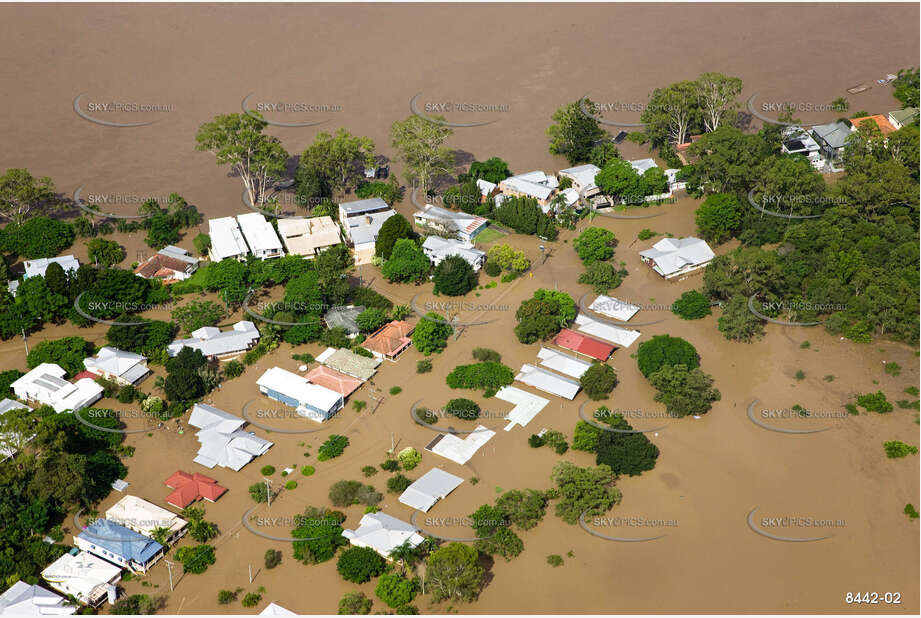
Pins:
<point x="583" y="344"/>
<point x="188" y="488"/>
<point x="333" y="380"/>
<point x="390" y="339"/>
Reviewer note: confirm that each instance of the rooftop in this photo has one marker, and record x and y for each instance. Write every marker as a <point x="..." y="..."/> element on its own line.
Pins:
<point x="881" y="121"/>
<point x="37" y="268"/>
<point x="579" y="342"/>
<point x="349" y="363"/>
<point x="259" y="233"/>
<point x="344" y="317"/>
<point x="188" y="488"/>
<point x="214" y="342"/>
<point x="390" y="338"/>
<point x="307" y="236"/>
<point x="226" y="238"/>
<point x="333" y="380"/>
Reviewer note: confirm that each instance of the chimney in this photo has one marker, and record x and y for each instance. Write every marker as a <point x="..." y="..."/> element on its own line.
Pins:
<point x="368" y="219"/>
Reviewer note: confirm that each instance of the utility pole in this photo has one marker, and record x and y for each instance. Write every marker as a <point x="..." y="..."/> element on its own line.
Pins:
<point x="25" y="341"/>
<point x="250" y="573"/>
<point x="268" y="491"/>
<point x="169" y="567"/>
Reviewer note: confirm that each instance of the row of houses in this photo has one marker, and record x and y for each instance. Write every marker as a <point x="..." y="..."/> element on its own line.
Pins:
<point x="250" y="233"/>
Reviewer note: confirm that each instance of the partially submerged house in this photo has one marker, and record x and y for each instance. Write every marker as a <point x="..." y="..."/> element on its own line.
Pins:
<point x="349" y="363"/>
<point x="583" y="179"/>
<point x="461" y="225"/>
<point x="169" y="264"/>
<point x="881" y="122"/>
<point x="536" y="185"/>
<point x="312" y="401"/>
<point x="22" y="599"/>
<point x="119" y="545"/>
<point x="345" y="318"/>
<point x="563" y="363"/>
<point x="429" y="489"/>
<point x="903" y="117"/>
<point x="260" y="236"/>
<point x="548" y="381"/>
<point x="457" y="449"/>
<point x="86" y="577"/>
<point x="126" y="368"/>
<point x="214" y="343"/>
<point x="583" y="344"/>
<point x="614" y="308"/>
<point x="383" y="533"/>
<point x="389" y="340"/>
<point x="362" y="221"/>
<point x="223" y="441"/>
<point x="46" y="385"/>
<point x="674" y="257"/>
<point x="226" y="240"/>
<point x="621" y="337"/>
<point x="146" y="518"/>
<point x="527" y="405"/>
<point x="487" y="189"/>
<point x="37" y="268"/>
<point x="189" y="488"/>
<point x="640" y="166"/>
<point x="437" y="249"/>
<point x="309" y="236"/>
<point x="334" y="380"/>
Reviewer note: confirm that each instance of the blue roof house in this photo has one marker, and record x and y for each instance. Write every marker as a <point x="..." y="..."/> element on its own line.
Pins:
<point x="119" y="545"/>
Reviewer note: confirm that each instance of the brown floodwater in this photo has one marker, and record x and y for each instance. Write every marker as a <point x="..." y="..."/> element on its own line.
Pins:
<point x="371" y="60"/>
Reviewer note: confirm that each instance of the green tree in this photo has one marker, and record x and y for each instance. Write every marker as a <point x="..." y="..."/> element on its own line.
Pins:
<point x="453" y="573"/>
<point x="420" y="143"/>
<point x="574" y="132"/>
<point x="339" y="159"/>
<point x="594" y="244"/>
<point x="716" y="97"/>
<point x="321" y="531"/>
<point x="454" y="276"/>
<point x="22" y="195"/>
<point x="625" y="451"/>
<point x="583" y="490"/>
<point x="68" y="352"/>
<point x="672" y="113"/>
<point x="395" y="590"/>
<point x="431" y="334"/>
<point x="738" y="323"/>
<point x="598" y="381"/>
<point x="462" y="408"/>
<point x="601" y="154"/>
<point x="718" y="217"/>
<point x="407" y="262"/>
<point x="603" y="277"/>
<point x="691" y="306"/>
<point x="665" y="350"/>
<point x="493" y="170"/>
<point x="195" y="559"/>
<point x="905" y="87"/>
<point x="355" y="603"/>
<point x="162" y="231"/>
<point x="37" y="237"/>
<point x="359" y="564"/>
<point x="524" y="508"/>
<point x="238" y="140"/>
<point x="105" y="252"/>
<point x="371" y="319"/>
<point x="684" y="391"/>
<point x="195" y="314"/>
<point x="202" y="243"/>
<point x="618" y="178"/>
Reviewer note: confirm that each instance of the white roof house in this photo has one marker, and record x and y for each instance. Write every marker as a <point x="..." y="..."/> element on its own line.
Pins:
<point x="274" y="609"/>
<point x="308" y="237"/>
<point x="226" y="239"/>
<point x="464" y="225"/>
<point x="9" y="441"/>
<point x="260" y="236"/>
<point x="144" y="517"/>
<point x="383" y="533"/>
<point x="641" y="165"/>
<point x="570" y="196"/>
<point x="527" y="405"/>
<point x="215" y="343"/>
<point x="362" y="220"/>
<point x="563" y="363"/>
<point x="614" y="308"/>
<point x="223" y="442"/>
<point x="521" y="186"/>
<point x="548" y="381"/>
<point x="312" y="401"/>
<point x="672" y="257"/>
<point x="457" y="449"/>
<point x="486" y="188"/>
<point x="583" y="178"/>
<point x="437" y="249"/>
<point x="429" y="489"/>
<point x="37" y="268"/>
<point x="46" y="385"/>
<point x="22" y="599"/>
<point x="85" y="576"/>
<point x="622" y="337"/>
<point x="358" y="208"/>
<point x="119" y="365"/>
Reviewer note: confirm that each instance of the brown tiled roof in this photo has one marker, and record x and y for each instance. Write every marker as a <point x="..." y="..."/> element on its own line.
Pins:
<point x="390" y="338"/>
<point x="159" y="266"/>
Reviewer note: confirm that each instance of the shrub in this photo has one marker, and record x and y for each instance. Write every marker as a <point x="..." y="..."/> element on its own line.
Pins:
<point x="355" y="603"/>
<point x="195" y="559"/>
<point x="333" y="447"/>
<point x="454" y="276"/>
<point x="359" y="405"/>
<point x="359" y="564"/>
<point x="409" y="458"/>
<point x="485" y="354"/>
<point x="556" y="440"/>
<point x="896" y="448"/>
<point x="225" y="597"/>
<point x="395" y="590"/>
<point x="251" y="599"/>
<point x="369" y="471"/>
<point x="594" y="244"/>
<point x="308" y="470"/>
<point x="396" y="390"/>
<point x="874" y="402"/>
<point x="423" y="366"/>
<point x="602" y="276"/>
<point x="272" y="558"/>
<point x="555" y="560"/>
<point x="646" y="234"/>
<point x="598" y="381"/>
<point x="462" y="408"/>
<point x="535" y="441"/>
<point x="492" y="269"/>
<point x="431" y="335"/>
<point x="267" y="470"/>
<point x="892" y="368"/>
<point x="391" y="465"/>
<point x="259" y="493"/>
<point x="347" y="493"/>
<point x="664" y="350"/>
<point x="911" y="511"/>
<point x="398" y="483"/>
<point x="233" y="369"/>
<point x="427" y="416"/>
<point x="487" y="374"/>
<point x="291" y="485"/>
<point x="104" y="252"/>
<point x="691" y="306"/>
<point x="321" y="534"/>
<point x="800" y="375"/>
<point x="509" y="277"/>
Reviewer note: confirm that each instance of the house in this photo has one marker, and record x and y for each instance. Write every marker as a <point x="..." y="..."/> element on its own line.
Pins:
<point x="383" y="533"/>
<point x="831" y="138"/>
<point x="487" y="189"/>
<point x="527" y="405"/>
<point x="274" y="609"/>
<point x="570" y="198"/>
<point x="641" y="165"/>
<point x="188" y="488"/>
<point x="535" y="185"/>
<point x="9" y="442"/>
<point x="86" y="577"/>
<point x="563" y="363"/>
<point x="583" y="344"/>
<point x="345" y="318"/>
<point x="614" y="308"/>
<point x="548" y="381"/>
<point x="673" y="257"/>
<point x="583" y="179"/>
<point x="389" y="340"/>
<point x="214" y="343"/>
<point x="621" y="337"/>
<point x="126" y="368"/>
<point x="674" y="184"/>
<point x="313" y="401"/>
<point x="341" y="383"/>
<point x="457" y="449"/>
<point x="169" y="264"/>
<point x="37" y="268"/>
<point x="881" y="121"/>
<point x="226" y="240"/>
<point x="349" y="363"/>
<point x="362" y="221"/>
<point x="437" y="249"/>
<point x="22" y="599"/>
<point x="461" y="225"/>
<point x="308" y="237"/>
<point x="795" y="140"/>
<point x="429" y="488"/>
<point x="903" y="117"/>
<point x="260" y="236"/>
<point x="120" y="545"/>
<point x="46" y="385"/>
<point x="223" y="442"/>
<point x="146" y="518"/>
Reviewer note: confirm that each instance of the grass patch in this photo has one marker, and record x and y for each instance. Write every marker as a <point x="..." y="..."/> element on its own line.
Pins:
<point x="487" y="236"/>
